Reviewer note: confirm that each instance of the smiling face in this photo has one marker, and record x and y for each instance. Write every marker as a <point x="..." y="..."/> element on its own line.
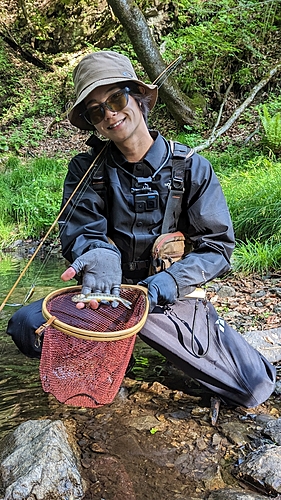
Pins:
<point x="122" y="127"/>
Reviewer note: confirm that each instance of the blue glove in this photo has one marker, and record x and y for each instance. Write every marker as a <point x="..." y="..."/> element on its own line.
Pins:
<point x="162" y="289"/>
<point x="101" y="271"/>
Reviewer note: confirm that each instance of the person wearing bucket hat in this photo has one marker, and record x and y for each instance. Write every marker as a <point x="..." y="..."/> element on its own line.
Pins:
<point x="141" y="191"/>
<point x="93" y="71"/>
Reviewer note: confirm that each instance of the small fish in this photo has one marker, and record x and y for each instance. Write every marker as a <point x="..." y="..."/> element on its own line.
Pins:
<point x="100" y="297"/>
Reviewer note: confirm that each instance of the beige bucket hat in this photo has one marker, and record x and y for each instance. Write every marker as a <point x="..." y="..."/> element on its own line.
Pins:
<point x="102" y="68"/>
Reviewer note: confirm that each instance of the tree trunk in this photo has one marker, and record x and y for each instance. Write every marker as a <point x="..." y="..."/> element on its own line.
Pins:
<point x="148" y="54"/>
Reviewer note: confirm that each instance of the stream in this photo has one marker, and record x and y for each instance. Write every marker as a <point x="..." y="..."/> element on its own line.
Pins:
<point x="156" y="439"/>
<point x="22" y="397"/>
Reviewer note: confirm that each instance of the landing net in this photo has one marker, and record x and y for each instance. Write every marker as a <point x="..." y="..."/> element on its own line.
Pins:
<point x="86" y="352"/>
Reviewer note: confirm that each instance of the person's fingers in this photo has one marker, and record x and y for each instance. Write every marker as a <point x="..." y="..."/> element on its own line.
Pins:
<point x="115" y="290"/>
<point x="68" y="274"/>
<point x="94" y="304"/>
<point x="80" y="305"/>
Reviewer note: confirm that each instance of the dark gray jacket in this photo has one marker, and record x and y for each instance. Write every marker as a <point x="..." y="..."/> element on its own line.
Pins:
<point x="105" y="207"/>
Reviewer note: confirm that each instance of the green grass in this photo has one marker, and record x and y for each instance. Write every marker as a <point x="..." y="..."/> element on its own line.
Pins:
<point x="255" y="257"/>
<point x="254" y="199"/>
<point x="253" y="193"/>
<point x="30" y="196"/>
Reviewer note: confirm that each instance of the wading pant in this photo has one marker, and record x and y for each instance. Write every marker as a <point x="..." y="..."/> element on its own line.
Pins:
<point x="194" y="338"/>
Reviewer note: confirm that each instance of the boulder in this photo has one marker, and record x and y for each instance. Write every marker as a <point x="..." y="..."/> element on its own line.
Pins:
<point x="38" y="462"/>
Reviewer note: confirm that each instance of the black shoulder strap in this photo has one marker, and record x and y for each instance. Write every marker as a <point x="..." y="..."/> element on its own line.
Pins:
<point x="180" y="154"/>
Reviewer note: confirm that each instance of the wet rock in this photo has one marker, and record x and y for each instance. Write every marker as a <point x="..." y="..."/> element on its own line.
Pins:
<point x="263" y="468"/>
<point x="112" y="478"/>
<point x="236" y="432"/>
<point x="213" y="478"/>
<point x="143" y="423"/>
<point x="37" y="461"/>
<point x="273" y="430"/>
<point x="233" y="494"/>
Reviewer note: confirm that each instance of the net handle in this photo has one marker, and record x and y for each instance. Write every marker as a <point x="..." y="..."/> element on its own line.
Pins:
<point x="86" y="334"/>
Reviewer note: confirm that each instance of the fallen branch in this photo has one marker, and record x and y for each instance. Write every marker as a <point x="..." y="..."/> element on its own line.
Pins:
<point x="26" y="54"/>
<point x="217" y="133"/>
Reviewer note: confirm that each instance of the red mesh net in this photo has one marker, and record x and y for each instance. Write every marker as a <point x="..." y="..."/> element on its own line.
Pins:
<point x="83" y="372"/>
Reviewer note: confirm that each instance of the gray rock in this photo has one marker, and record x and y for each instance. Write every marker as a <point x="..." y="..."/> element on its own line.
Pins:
<point x="263" y="468"/>
<point x="236" y="432"/>
<point x="226" y="291"/>
<point x="260" y="293"/>
<point x="267" y="342"/>
<point x="143" y="423"/>
<point x="233" y="494"/>
<point x="273" y="430"/>
<point x="37" y="462"/>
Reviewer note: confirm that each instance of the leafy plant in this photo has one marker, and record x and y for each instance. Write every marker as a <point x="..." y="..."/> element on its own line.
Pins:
<point x="272" y="129"/>
<point x="253" y="195"/>
<point x="254" y="199"/>
<point x="30" y="194"/>
<point x="3" y="143"/>
<point x="256" y="257"/>
<point x="219" y="41"/>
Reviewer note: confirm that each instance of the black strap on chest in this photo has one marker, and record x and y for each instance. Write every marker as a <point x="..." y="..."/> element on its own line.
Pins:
<point x="180" y="154"/>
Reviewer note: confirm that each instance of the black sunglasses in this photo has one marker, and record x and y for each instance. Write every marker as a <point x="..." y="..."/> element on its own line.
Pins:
<point x="115" y="102"/>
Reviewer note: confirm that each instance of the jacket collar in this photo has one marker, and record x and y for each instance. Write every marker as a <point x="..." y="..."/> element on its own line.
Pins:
<point x="153" y="158"/>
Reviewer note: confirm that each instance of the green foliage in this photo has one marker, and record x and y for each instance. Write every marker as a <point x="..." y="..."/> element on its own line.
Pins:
<point x="271" y="129"/>
<point x="30" y="196"/>
<point x="256" y="257"/>
<point x="28" y="94"/>
<point x="221" y="40"/>
<point x="230" y="160"/>
<point x="254" y="200"/>
<point x="253" y="193"/>
<point x="190" y="137"/>
<point x="3" y="144"/>
<point x="29" y="133"/>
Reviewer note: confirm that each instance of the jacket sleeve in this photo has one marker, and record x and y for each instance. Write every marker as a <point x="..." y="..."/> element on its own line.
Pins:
<point x="208" y="225"/>
<point x="83" y="224"/>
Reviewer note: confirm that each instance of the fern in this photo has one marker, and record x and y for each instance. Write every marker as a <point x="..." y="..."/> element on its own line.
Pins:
<point x="272" y="129"/>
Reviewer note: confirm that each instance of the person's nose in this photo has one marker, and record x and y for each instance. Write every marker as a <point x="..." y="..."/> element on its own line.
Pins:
<point x="108" y="113"/>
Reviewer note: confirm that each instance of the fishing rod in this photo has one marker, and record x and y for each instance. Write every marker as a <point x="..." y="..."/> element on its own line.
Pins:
<point x="159" y="82"/>
<point x="52" y="227"/>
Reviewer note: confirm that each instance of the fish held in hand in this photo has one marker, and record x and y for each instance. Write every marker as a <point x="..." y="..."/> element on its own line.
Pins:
<point x="100" y="297"/>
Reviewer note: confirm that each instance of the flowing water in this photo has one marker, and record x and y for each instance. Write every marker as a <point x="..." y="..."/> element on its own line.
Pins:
<point x="22" y="397"/>
<point x="185" y="416"/>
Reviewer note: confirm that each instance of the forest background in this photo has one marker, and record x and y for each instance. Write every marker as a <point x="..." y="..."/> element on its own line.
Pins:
<point x="222" y="98"/>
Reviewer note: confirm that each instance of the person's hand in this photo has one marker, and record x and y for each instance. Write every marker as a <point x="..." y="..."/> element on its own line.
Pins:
<point x="162" y="289"/>
<point x="101" y="271"/>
